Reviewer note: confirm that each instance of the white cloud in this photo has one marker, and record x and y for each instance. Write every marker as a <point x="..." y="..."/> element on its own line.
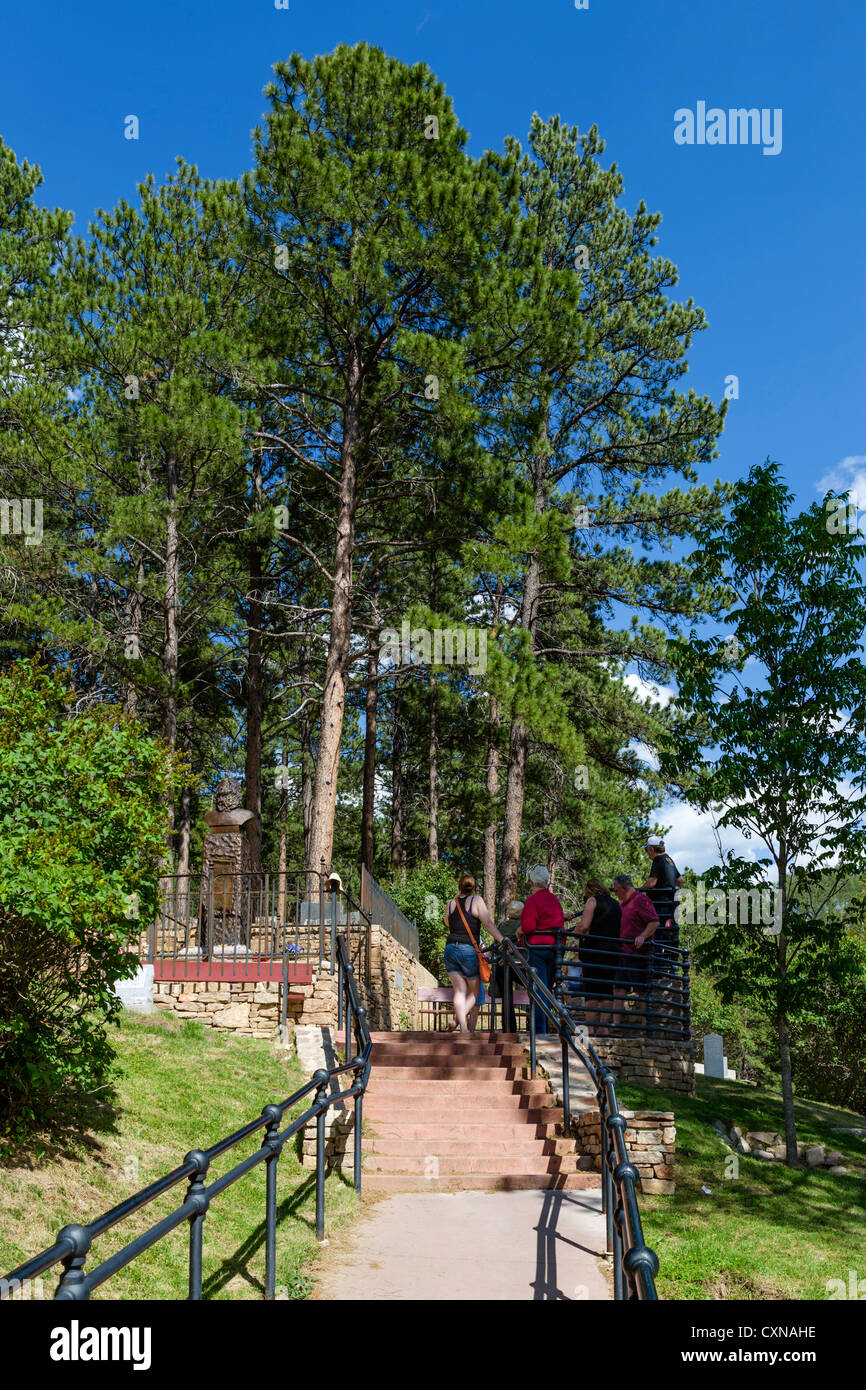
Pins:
<point x="648" y="690"/>
<point x="645" y="753"/>
<point x="691" y="842"/>
<point x="849" y="476"/>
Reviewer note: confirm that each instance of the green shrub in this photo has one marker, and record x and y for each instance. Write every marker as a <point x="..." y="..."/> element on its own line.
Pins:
<point x="82" y="838"/>
<point x="422" y="894"/>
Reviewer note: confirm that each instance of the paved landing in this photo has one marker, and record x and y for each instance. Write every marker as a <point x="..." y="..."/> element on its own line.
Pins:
<point x="527" y="1245"/>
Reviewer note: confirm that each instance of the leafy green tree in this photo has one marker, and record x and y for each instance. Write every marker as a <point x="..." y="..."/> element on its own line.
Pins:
<point x="82" y="826"/>
<point x="776" y="731"/>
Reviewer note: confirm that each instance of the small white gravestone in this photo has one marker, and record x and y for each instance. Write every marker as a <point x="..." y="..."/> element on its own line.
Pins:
<point x="137" y="994"/>
<point x="714" y="1059"/>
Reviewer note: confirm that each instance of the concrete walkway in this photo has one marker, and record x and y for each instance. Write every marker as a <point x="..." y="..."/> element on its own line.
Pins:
<point x="535" y="1245"/>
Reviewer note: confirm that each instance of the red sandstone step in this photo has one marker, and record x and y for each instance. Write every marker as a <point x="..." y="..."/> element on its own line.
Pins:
<point x="446" y="1164"/>
<point x="445" y="1072"/>
<point x="428" y="1035"/>
<point x="456" y="1108"/>
<point x="504" y="1109"/>
<point x="480" y="1182"/>
<point x="443" y="1131"/>
<point x="383" y="1055"/>
<point x="477" y="1144"/>
<point x="434" y="1088"/>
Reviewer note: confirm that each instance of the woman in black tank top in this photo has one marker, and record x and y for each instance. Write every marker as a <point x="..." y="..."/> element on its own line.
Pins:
<point x="467" y="910"/>
<point x="599" y="949"/>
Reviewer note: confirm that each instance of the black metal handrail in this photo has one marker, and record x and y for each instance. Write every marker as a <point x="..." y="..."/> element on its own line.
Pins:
<point x="74" y="1242"/>
<point x="661" y="1003"/>
<point x="635" y="1265"/>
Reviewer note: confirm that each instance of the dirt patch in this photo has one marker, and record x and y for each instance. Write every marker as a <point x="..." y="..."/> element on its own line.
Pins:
<point x="732" y="1286"/>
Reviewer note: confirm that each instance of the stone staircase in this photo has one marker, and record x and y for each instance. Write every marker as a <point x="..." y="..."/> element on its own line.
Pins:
<point x="449" y="1113"/>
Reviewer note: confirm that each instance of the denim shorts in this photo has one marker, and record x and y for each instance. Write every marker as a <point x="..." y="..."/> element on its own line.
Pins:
<point x="461" y="960"/>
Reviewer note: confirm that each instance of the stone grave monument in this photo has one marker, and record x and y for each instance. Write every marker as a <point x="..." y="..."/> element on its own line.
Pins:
<point x="224" y="917"/>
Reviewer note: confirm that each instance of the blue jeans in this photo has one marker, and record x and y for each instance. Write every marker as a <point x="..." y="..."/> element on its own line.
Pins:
<point x="543" y="962"/>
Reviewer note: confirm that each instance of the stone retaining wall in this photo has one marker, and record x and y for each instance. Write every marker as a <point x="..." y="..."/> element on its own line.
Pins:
<point x="253" y="1006"/>
<point x="649" y="1062"/>
<point x="651" y="1141"/>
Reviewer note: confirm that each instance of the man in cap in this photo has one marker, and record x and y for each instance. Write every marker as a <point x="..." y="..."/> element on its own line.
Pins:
<point x="665" y="878"/>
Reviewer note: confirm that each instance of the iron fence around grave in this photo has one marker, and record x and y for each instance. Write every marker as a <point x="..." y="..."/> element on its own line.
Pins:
<point x="382" y="910"/>
<point x="252" y="924"/>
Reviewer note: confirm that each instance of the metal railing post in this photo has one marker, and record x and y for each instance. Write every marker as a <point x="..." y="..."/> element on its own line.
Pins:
<point x="199" y="1197"/>
<point x="321" y="1106"/>
<point x="531" y="994"/>
<point x="350" y="970"/>
<point x="71" y="1284"/>
<point x="566" y="1096"/>
<point x="272" y="1144"/>
<point x="321" y="912"/>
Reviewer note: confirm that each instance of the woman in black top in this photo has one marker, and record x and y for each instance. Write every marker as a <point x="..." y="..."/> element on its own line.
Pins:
<point x="599" y="949"/>
<point x="461" y="962"/>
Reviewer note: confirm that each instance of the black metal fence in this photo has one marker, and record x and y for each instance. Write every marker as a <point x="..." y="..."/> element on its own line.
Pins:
<point x="74" y="1242"/>
<point x="384" y="911"/>
<point x="244" y="920"/>
<point x="635" y="1265"/>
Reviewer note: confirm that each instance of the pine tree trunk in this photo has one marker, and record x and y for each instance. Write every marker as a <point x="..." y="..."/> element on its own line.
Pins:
<point x="334" y="700"/>
<point x="433" y="749"/>
<point x="491" y="782"/>
<point x="398" y="789"/>
<point x="306" y="748"/>
<point x="171" y="592"/>
<point x="491" y="779"/>
<point x="515" y="788"/>
<point x="132" y="629"/>
<point x="368" y="807"/>
<point x="254" y="682"/>
<point x="282" y="853"/>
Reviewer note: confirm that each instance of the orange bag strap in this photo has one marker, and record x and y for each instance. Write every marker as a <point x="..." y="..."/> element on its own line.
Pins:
<point x="466" y="925"/>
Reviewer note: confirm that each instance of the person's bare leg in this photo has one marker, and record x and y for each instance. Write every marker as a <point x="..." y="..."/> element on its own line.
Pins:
<point x="618" y="1016"/>
<point x="473" y="987"/>
<point x="462" y="1003"/>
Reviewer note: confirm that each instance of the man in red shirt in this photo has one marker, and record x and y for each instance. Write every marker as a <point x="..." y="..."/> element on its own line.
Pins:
<point x="541" y="925"/>
<point x="638" y="925"/>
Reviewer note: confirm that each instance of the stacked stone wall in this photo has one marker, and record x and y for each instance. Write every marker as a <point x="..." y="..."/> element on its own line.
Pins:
<point x="650" y="1139"/>
<point x="253" y="1006"/>
<point x="669" y="1066"/>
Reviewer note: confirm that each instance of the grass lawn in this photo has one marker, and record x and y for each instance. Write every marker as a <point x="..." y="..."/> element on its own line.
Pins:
<point x="771" y="1232"/>
<point x="178" y="1086"/>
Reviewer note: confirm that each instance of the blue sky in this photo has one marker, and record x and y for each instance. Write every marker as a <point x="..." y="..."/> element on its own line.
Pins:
<point x="770" y="246"/>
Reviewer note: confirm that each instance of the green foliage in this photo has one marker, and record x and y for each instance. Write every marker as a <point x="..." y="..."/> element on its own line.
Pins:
<point x="423" y="895"/>
<point x="782" y="706"/>
<point x="749" y="1042"/>
<point x="828" y="1048"/>
<point x="82" y="836"/>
